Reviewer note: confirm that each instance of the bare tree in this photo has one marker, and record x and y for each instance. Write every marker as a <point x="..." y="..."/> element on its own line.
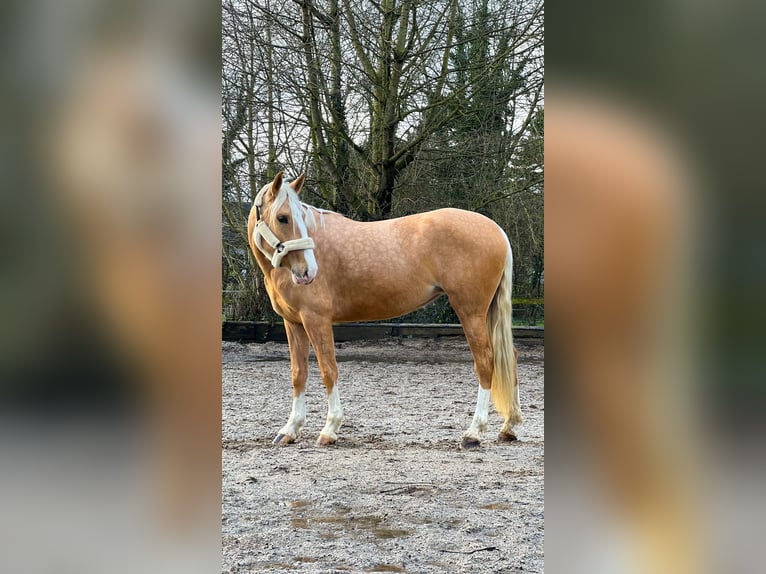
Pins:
<point x="390" y="106"/>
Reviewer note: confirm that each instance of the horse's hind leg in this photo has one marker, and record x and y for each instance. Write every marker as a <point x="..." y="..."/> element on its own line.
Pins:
<point x="320" y="334"/>
<point x="299" y="365"/>
<point x="477" y="335"/>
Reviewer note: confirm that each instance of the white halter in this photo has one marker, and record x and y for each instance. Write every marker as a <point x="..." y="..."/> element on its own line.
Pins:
<point x="262" y="232"/>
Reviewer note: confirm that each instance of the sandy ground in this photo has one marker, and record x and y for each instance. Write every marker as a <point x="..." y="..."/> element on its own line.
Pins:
<point x="394" y="494"/>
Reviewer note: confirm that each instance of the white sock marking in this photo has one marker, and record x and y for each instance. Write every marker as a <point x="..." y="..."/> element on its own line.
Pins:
<point x="480" y="417"/>
<point x="297" y="417"/>
<point x="334" y="415"/>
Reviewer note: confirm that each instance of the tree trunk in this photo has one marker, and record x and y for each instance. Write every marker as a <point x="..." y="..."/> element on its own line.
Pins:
<point x="271" y="162"/>
<point x="338" y="111"/>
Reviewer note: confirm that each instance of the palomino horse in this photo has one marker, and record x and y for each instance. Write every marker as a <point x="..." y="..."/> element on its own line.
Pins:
<point x="321" y="267"/>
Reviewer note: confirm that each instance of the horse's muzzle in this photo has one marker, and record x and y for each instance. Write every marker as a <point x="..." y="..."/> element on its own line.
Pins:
<point x="304" y="279"/>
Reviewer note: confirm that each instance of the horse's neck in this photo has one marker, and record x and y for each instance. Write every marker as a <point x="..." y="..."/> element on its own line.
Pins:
<point x="327" y="221"/>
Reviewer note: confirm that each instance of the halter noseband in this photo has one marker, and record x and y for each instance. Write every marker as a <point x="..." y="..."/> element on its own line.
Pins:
<point x="262" y="232"/>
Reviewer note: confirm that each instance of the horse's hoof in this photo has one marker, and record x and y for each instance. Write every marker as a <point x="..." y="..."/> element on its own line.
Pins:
<point x="507" y="436"/>
<point x="325" y="441"/>
<point x="283" y="440"/>
<point x="469" y="443"/>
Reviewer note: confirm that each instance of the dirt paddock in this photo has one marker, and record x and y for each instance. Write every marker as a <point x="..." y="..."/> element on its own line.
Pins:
<point x="394" y="494"/>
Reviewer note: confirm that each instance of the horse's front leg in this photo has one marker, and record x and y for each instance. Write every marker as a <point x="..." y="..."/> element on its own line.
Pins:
<point x="299" y="366"/>
<point x="320" y="333"/>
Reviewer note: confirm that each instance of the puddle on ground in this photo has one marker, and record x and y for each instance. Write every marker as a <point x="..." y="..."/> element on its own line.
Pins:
<point x="391" y="533"/>
<point x="353" y="522"/>
<point x="496" y="506"/>
<point x="423" y="520"/>
<point x="327" y="535"/>
<point x="347" y="523"/>
<point x="385" y="568"/>
<point x="282" y="565"/>
<point x="299" y="522"/>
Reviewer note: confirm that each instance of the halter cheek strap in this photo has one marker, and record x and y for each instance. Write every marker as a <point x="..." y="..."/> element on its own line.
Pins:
<point x="263" y="233"/>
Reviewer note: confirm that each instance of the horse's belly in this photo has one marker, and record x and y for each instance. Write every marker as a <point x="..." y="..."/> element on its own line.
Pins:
<point x="374" y="305"/>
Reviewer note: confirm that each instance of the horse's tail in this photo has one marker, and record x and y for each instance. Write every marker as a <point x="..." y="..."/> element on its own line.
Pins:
<point x="505" y="390"/>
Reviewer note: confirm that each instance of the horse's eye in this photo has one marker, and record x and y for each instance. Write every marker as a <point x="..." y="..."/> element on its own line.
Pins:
<point x="282" y="218"/>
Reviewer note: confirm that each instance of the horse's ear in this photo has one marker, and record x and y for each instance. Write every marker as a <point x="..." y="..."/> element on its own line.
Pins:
<point x="297" y="183"/>
<point x="276" y="185"/>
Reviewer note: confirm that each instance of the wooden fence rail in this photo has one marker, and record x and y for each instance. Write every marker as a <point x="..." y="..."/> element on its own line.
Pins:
<point x="262" y="331"/>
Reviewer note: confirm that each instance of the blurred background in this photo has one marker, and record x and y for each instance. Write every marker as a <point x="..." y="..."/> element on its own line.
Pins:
<point x="110" y="355"/>
<point x="654" y="264"/>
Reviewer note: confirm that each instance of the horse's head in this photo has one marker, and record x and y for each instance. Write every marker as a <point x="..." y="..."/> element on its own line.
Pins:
<point x="282" y="231"/>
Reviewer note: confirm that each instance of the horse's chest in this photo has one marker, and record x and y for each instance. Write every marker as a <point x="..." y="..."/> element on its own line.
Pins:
<point x="286" y="311"/>
<point x="282" y="304"/>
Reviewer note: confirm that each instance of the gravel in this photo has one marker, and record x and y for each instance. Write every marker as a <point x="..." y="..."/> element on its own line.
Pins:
<point x="395" y="494"/>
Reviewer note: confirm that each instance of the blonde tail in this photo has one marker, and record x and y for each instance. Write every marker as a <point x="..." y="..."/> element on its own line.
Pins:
<point x="505" y="391"/>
